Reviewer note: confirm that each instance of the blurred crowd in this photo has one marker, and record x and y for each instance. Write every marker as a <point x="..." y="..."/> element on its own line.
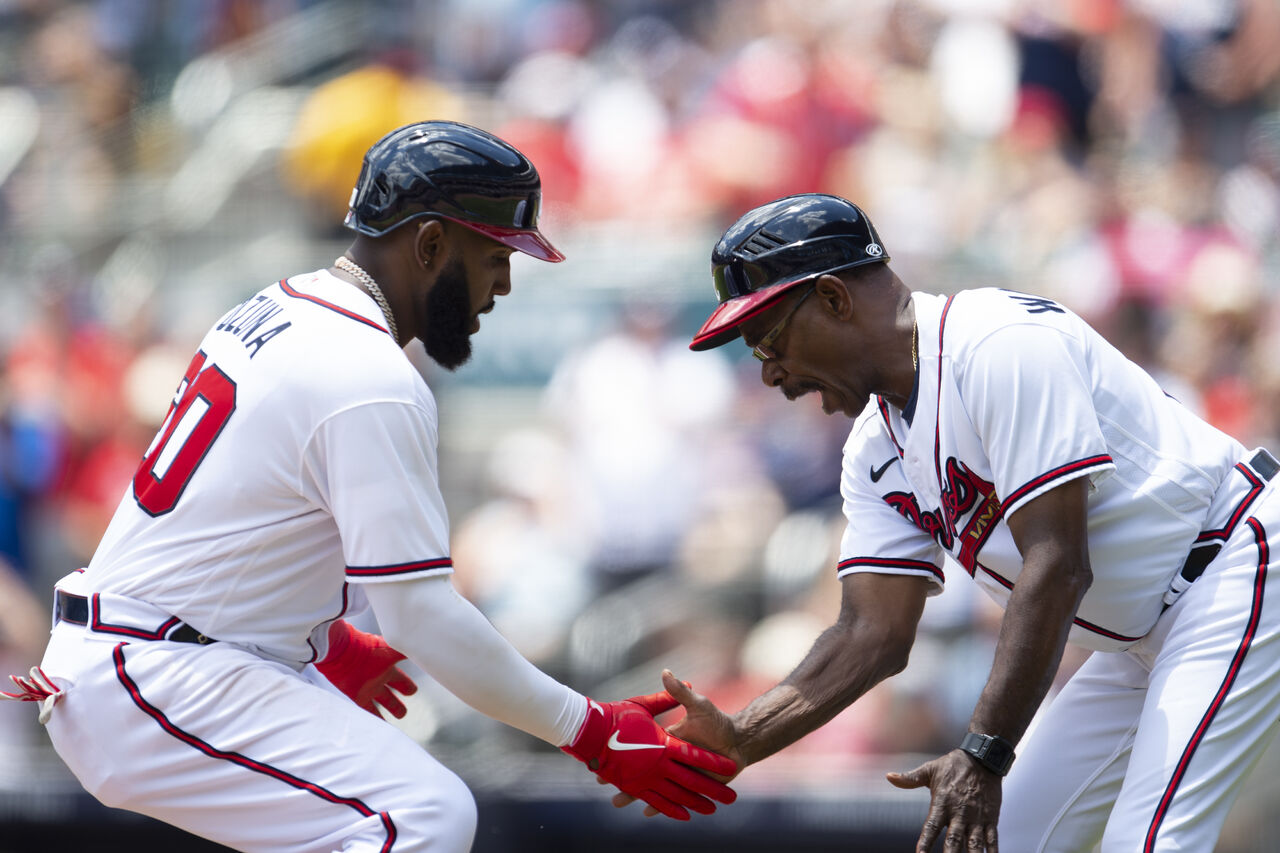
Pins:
<point x="649" y="506"/>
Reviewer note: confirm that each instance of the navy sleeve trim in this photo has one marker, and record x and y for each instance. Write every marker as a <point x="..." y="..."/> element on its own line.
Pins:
<point x="888" y="563"/>
<point x="399" y="568"/>
<point x="1063" y="472"/>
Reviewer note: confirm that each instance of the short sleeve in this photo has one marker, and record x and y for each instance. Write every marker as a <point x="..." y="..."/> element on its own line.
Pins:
<point x="374" y="467"/>
<point x="1026" y="389"/>
<point x="878" y="535"/>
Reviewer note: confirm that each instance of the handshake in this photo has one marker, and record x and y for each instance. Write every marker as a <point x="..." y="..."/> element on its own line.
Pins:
<point x="620" y="742"/>
<point x="625" y="746"/>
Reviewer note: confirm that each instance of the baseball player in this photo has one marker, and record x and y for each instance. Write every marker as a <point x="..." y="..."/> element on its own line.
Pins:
<point x="997" y="435"/>
<point x="196" y="669"/>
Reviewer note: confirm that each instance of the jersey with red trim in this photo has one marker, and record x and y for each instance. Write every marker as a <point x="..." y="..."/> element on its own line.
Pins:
<point x="1016" y="395"/>
<point x="299" y="455"/>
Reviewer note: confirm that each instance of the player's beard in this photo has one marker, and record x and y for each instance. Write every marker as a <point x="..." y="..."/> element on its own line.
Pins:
<point x="447" y="333"/>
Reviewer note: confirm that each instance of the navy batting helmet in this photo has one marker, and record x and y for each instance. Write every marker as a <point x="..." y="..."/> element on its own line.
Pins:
<point x="452" y="170"/>
<point x="778" y="245"/>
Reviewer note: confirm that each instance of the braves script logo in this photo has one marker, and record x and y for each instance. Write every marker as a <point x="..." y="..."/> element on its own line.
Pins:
<point x="964" y="493"/>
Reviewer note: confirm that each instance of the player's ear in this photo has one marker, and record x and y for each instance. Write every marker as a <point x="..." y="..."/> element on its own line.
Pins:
<point x="428" y="244"/>
<point x="833" y="294"/>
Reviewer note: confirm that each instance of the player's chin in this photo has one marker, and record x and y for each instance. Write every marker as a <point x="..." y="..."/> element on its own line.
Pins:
<point x="831" y="402"/>
<point x="449" y="354"/>
<point x="835" y="403"/>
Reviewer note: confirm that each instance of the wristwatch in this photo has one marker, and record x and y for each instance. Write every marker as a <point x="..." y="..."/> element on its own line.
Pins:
<point x="991" y="751"/>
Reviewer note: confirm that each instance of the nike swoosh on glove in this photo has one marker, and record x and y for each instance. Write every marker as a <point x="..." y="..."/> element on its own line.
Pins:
<point x="364" y="667"/>
<point x="625" y="746"/>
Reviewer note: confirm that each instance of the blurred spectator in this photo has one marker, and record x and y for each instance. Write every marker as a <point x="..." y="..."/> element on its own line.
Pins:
<point x="795" y="446"/>
<point x="520" y="555"/>
<point x="637" y="414"/>
<point x="31" y="452"/>
<point x="24" y="625"/>
<point x="344" y="116"/>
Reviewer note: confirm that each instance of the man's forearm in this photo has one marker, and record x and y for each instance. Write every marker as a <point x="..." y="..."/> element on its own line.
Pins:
<point x="1032" y="637"/>
<point x="844" y="663"/>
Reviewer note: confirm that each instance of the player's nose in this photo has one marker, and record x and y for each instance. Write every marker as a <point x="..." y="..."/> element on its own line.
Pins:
<point x="771" y="373"/>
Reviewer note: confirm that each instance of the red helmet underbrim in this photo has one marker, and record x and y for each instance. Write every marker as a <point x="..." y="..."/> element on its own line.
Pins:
<point x="531" y="242"/>
<point x="722" y="326"/>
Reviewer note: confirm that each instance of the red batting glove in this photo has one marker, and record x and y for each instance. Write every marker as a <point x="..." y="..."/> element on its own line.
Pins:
<point x="364" y="667"/>
<point x="625" y="746"/>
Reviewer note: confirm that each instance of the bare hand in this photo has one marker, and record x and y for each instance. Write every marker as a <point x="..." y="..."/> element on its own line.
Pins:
<point x="703" y="725"/>
<point x="964" y="803"/>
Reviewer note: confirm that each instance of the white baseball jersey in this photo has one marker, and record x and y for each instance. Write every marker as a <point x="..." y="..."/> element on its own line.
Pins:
<point x="298" y="461"/>
<point x="1146" y="747"/>
<point x="1016" y="395"/>
<point x="303" y="387"/>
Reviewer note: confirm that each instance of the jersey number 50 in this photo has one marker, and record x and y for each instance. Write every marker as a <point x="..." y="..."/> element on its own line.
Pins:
<point x="205" y="400"/>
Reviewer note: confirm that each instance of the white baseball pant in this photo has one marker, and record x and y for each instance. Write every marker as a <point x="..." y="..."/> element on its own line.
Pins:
<point x="245" y="751"/>
<point x="1145" y="750"/>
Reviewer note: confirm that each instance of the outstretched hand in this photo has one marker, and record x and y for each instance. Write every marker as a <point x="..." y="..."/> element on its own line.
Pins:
<point x="964" y="803"/>
<point x="703" y="725"/>
<point x="624" y="745"/>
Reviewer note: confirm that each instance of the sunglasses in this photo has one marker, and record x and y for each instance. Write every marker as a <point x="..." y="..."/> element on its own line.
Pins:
<point x="763" y="350"/>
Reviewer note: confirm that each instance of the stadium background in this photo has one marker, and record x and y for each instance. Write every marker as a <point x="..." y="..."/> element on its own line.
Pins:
<point x="618" y="503"/>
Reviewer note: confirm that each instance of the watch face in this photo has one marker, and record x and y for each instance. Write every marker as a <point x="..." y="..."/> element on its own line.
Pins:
<point x="994" y="753"/>
<point x="998" y="752"/>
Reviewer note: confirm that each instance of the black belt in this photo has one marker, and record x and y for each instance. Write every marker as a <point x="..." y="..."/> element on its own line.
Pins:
<point x="1265" y="466"/>
<point x="68" y="607"/>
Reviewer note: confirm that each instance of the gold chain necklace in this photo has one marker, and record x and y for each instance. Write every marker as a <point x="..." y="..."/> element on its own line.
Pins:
<point x="347" y="265"/>
<point x="915" y="345"/>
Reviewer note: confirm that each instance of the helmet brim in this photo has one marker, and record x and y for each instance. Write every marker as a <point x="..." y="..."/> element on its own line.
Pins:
<point x="531" y="242"/>
<point x="722" y="326"/>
